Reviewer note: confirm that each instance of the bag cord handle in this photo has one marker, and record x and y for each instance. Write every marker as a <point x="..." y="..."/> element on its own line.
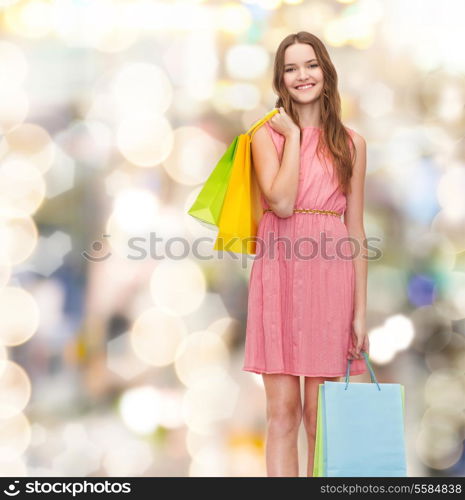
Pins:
<point x="370" y="369"/>
<point x="260" y="122"/>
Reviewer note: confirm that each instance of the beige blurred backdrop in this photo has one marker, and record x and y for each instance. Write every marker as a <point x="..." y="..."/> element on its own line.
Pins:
<point x="121" y="355"/>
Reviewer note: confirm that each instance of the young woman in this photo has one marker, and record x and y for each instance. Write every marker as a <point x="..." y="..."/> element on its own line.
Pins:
<point x="307" y="288"/>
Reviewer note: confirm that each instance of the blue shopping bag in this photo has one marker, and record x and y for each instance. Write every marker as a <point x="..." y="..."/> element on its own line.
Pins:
<point x="360" y="429"/>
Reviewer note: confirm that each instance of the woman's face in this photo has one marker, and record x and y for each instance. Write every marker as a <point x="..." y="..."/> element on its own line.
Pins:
<point x="300" y="68"/>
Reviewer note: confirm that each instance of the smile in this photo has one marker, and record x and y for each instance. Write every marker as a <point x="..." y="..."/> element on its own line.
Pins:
<point x="305" y="87"/>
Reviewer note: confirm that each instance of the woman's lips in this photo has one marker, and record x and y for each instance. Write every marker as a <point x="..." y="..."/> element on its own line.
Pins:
<point x="305" y="88"/>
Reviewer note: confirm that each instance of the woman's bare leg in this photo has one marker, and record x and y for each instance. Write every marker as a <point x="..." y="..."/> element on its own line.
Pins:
<point x="310" y="413"/>
<point x="284" y="415"/>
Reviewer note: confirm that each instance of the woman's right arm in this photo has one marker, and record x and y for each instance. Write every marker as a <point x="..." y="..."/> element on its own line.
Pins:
<point x="278" y="182"/>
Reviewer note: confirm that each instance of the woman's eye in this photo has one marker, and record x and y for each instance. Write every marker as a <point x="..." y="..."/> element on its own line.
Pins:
<point x="311" y="66"/>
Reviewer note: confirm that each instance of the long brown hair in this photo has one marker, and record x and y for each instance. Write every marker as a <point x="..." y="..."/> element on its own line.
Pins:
<point x="335" y="135"/>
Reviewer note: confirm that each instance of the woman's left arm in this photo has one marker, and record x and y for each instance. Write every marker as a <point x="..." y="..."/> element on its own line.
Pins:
<point x="353" y="219"/>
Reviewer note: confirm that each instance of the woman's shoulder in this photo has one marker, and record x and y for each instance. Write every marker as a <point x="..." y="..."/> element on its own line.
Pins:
<point x="355" y="135"/>
<point x="266" y="136"/>
<point x="267" y="129"/>
<point x="359" y="140"/>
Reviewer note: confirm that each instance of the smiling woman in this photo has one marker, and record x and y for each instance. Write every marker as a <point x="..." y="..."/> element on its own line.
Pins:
<point x="304" y="317"/>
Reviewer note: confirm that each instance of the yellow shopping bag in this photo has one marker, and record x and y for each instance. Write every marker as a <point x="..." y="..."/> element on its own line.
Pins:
<point x="241" y="211"/>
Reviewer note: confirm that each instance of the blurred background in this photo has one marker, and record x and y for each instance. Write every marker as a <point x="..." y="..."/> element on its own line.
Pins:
<point x="120" y="354"/>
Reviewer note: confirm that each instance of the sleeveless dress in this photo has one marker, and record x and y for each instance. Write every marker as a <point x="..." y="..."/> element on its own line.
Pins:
<point x="301" y="289"/>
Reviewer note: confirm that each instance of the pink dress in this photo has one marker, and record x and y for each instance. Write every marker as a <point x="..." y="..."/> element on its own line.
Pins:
<point x="300" y="302"/>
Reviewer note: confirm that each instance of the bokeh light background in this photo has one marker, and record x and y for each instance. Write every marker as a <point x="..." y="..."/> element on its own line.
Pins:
<point x="126" y="361"/>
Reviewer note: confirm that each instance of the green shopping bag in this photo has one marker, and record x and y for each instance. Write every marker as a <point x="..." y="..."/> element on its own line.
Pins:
<point x="208" y="204"/>
<point x="360" y="431"/>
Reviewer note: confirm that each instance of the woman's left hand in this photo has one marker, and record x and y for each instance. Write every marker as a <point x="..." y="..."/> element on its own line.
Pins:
<point x="359" y="339"/>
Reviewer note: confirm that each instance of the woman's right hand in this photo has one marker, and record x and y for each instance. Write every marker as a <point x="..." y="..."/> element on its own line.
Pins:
<point x="283" y="124"/>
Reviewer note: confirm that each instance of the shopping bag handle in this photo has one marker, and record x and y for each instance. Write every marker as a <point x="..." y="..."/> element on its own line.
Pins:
<point x="260" y="122"/>
<point x="370" y="369"/>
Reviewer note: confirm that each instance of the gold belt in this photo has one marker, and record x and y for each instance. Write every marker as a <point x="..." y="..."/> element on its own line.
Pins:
<point x="310" y="210"/>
